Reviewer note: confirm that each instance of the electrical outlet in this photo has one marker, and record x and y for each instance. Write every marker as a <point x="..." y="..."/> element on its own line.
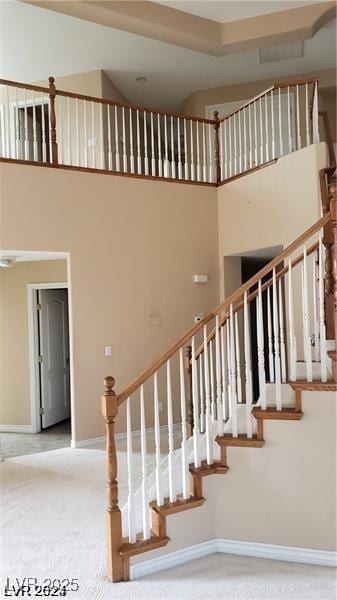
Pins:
<point x="160" y="406"/>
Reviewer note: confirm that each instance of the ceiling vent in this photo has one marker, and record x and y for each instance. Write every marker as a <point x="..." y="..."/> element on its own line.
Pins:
<point x="282" y="52"/>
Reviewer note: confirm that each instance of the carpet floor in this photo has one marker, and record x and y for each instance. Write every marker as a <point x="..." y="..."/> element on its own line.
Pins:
<point x="53" y="526"/>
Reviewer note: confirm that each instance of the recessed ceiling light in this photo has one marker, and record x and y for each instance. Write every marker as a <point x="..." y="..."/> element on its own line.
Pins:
<point x="141" y="79"/>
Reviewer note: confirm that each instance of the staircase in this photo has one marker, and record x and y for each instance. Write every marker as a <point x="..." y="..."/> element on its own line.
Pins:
<point x="207" y="379"/>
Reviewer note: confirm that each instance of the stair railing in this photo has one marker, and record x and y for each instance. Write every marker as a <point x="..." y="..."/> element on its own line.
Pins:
<point x="51" y="126"/>
<point x="274" y="326"/>
<point x="278" y="121"/>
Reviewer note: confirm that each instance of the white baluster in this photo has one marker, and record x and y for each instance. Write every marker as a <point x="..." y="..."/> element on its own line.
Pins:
<point x="78" y="133"/>
<point x="185" y="151"/>
<point x="261" y="131"/>
<point x="266" y="125"/>
<point x="139" y="158"/>
<point x="305" y="316"/>
<point x="209" y="430"/>
<point x="290" y="141"/>
<point x="250" y="136"/>
<point x="307" y="122"/>
<point x="219" y="412"/>
<point x="195" y="404"/>
<point x="60" y="140"/>
<point x="125" y="156"/>
<point x="248" y="369"/>
<point x="298" y="116"/>
<point x="202" y="395"/>
<point x="101" y="138"/>
<point x="153" y="158"/>
<point x="210" y="154"/>
<point x="235" y="145"/>
<point x="223" y="375"/>
<point x="245" y="140"/>
<point x="173" y="161"/>
<point x="145" y="494"/>
<point x="132" y="157"/>
<point x="26" y="127"/>
<point x="234" y="405"/>
<point x="226" y="151"/>
<point x="160" y="162"/>
<point x="118" y="165"/>
<point x="204" y="156"/>
<point x="280" y="121"/>
<point x="238" y="359"/>
<point x="211" y="369"/>
<point x="282" y="340"/>
<point x="109" y="140"/>
<point x="292" y="337"/>
<point x="166" y="158"/>
<point x="85" y="133"/>
<point x="314" y="301"/>
<point x="159" y="489"/>
<point x="146" y="156"/>
<point x="255" y="131"/>
<point x="278" y="389"/>
<point x="8" y="123"/>
<point x="272" y="125"/>
<point x="180" y="167"/>
<point x="69" y="133"/>
<point x="322" y="328"/>
<point x="240" y="144"/>
<point x="198" y="152"/>
<point x="230" y="146"/>
<point x="221" y="131"/>
<point x="260" y="348"/>
<point x="16" y="128"/>
<point x="131" y="500"/>
<point x="184" y="453"/>
<point x="93" y="139"/>
<point x="229" y="369"/>
<point x="192" y="152"/>
<point x="172" y="494"/>
<point x="35" y="152"/>
<point x="270" y="339"/>
<point x="315" y="115"/>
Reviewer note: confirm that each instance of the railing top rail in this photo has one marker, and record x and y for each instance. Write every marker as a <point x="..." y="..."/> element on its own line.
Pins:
<point x="133" y="107"/>
<point x="25" y="86"/>
<point x="275" y="86"/>
<point x="239" y="293"/>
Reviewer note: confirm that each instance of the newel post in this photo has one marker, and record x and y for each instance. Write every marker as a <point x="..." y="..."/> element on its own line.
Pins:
<point x="189" y="389"/>
<point x="217" y="146"/>
<point x="333" y="212"/>
<point x="52" y="116"/>
<point x="114" y="518"/>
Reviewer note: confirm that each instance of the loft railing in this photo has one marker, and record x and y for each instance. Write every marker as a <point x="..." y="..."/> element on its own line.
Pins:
<point x="223" y="371"/>
<point x="50" y="126"/>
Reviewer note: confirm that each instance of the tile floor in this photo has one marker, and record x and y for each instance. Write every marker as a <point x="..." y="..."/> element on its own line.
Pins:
<point x="18" y="444"/>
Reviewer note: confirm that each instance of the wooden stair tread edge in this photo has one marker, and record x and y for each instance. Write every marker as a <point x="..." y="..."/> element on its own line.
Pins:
<point x="319" y="386"/>
<point x="128" y="549"/>
<point x="179" y="505"/>
<point x="286" y="414"/>
<point x="205" y="469"/>
<point x="332" y="354"/>
<point x="241" y="440"/>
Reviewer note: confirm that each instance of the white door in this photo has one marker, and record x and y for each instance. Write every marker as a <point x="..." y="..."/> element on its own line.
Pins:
<point x="54" y="356"/>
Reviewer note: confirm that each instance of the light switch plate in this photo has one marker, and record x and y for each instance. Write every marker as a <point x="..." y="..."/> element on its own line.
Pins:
<point x="108" y="351"/>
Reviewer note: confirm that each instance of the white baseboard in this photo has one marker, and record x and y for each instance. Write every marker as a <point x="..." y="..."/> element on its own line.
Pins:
<point x="253" y="549"/>
<point x="16" y="429"/>
<point x="120" y="437"/>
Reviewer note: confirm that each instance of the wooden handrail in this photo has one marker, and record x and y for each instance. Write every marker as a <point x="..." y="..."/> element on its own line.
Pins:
<point x="253" y="295"/>
<point x="275" y="86"/>
<point x="237" y="295"/>
<point x="25" y="86"/>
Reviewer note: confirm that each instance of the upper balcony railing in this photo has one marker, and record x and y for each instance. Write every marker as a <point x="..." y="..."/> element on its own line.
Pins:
<point x="47" y="125"/>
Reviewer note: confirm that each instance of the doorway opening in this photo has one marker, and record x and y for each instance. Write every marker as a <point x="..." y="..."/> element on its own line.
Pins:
<point x="32" y="126"/>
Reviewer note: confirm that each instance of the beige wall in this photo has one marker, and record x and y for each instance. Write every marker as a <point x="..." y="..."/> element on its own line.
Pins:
<point x="283" y="493"/>
<point x="14" y="355"/>
<point x="134" y="247"/>
<point x="195" y="105"/>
